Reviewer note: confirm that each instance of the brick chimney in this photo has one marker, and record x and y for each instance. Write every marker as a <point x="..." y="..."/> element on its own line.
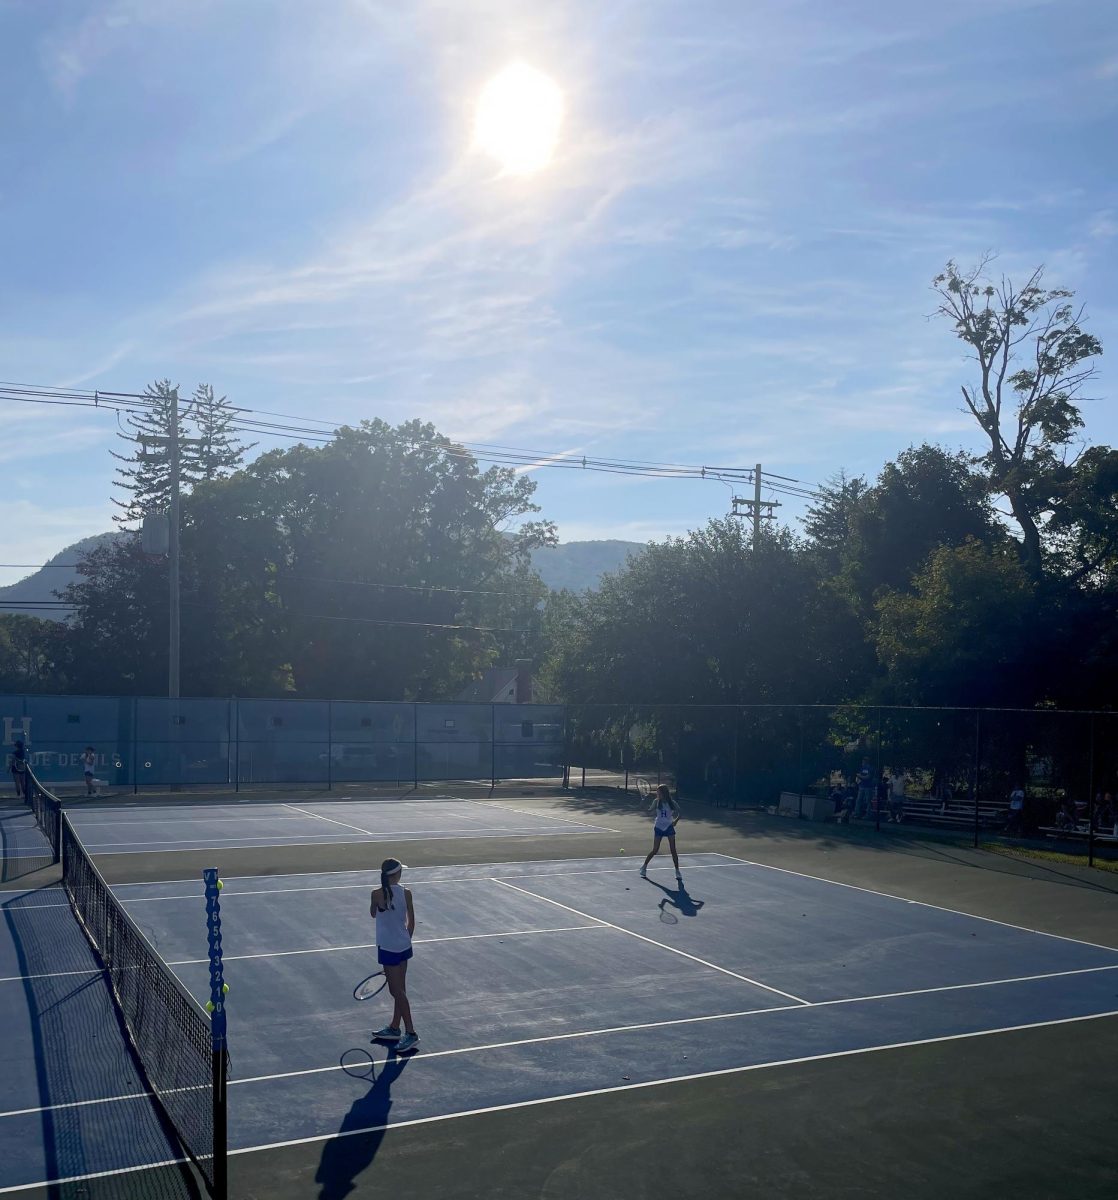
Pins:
<point x="523" y="681"/>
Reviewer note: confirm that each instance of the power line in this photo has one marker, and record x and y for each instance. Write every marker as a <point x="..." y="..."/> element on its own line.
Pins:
<point x="323" y="430"/>
<point x="302" y="616"/>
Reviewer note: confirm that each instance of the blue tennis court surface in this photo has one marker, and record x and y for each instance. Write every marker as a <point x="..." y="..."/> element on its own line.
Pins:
<point x="531" y="982"/>
<point x="130" y="829"/>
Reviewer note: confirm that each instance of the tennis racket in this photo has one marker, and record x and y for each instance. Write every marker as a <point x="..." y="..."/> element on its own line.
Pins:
<point x="368" y="988"/>
<point x="644" y="788"/>
<point x="666" y="915"/>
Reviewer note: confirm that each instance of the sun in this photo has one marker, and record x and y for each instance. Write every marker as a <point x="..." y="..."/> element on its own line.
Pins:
<point x="518" y="117"/>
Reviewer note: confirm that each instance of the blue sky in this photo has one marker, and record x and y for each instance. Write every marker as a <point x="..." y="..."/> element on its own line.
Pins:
<point x="727" y="261"/>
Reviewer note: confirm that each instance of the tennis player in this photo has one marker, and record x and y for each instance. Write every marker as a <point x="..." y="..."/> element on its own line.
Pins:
<point x="391" y="908"/>
<point x="666" y="816"/>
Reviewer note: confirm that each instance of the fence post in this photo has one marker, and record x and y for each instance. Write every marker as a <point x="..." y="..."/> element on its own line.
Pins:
<point x="800" y="763"/>
<point x="237" y="744"/>
<point x="977" y="735"/>
<point x="493" y="747"/>
<point x="135" y="745"/>
<point x="877" y="771"/>
<point x="329" y="745"/>
<point x="415" y="746"/>
<point x="1091" y="797"/>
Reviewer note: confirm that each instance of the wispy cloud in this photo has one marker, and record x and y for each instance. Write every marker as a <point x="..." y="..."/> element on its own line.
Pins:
<point x="99" y="369"/>
<point x="74" y="50"/>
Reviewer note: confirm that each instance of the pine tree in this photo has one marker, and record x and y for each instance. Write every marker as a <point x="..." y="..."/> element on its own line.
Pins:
<point x="208" y="448"/>
<point x="146" y="475"/>
<point x="214" y="451"/>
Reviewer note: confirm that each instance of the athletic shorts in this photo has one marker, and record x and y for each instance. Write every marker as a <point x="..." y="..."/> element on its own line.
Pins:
<point x="663" y="833"/>
<point x="393" y="958"/>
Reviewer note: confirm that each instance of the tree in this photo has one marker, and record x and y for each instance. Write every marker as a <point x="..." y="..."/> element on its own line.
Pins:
<point x="31" y="654"/>
<point x="926" y="499"/>
<point x="146" y="475"/>
<point x="707" y="619"/>
<point x="382" y="565"/>
<point x="213" y="451"/>
<point x="965" y="634"/>
<point x="1033" y="359"/>
<point x="829" y="520"/>
<point x="208" y="448"/>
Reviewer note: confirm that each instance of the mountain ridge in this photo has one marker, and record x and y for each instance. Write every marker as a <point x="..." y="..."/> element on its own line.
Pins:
<point x="574" y="566"/>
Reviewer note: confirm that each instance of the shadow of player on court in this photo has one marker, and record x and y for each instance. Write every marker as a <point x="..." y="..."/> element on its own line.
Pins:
<point x="677" y="900"/>
<point x="346" y="1156"/>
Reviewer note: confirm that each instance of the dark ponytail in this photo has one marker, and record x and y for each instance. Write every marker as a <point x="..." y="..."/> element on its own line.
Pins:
<point x="389" y="868"/>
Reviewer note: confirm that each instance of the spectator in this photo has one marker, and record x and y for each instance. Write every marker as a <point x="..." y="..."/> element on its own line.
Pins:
<point x="882" y="793"/>
<point x="1105" y="816"/>
<point x="865" y="790"/>
<point x="896" y="795"/>
<point x="1013" y="825"/>
<point x="1065" y="817"/>
<point x="18" y="767"/>
<point x="838" y="798"/>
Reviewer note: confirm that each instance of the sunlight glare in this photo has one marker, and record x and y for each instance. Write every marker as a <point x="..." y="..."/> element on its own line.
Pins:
<point x="518" y="117"/>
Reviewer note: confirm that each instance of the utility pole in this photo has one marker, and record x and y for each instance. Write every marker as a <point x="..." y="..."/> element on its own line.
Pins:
<point x="173" y="563"/>
<point x="756" y="508"/>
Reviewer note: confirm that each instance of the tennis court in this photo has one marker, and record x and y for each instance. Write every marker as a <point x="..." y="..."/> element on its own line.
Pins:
<point x="535" y="981"/>
<point x="139" y="829"/>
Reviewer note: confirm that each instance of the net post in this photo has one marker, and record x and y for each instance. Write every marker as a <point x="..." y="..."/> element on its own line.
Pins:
<point x="219" y="1055"/>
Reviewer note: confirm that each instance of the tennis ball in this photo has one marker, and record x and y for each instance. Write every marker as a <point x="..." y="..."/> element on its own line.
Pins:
<point x="225" y="989"/>
<point x="209" y="1006"/>
<point x="220" y="884"/>
<point x="622" y="850"/>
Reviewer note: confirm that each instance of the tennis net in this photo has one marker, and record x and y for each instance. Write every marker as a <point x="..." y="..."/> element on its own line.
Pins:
<point x="170" y="1033"/>
<point x="47" y="810"/>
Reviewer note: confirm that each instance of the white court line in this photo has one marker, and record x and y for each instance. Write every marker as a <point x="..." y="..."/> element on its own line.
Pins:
<point x="516" y="862"/>
<point x="185" y="819"/>
<point x="319" y="817"/>
<point x="51" y="975"/>
<point x="189" y="962"/>
<point x="546" y="816"/>
<point x="922" y="903"/>
<point x="234" y="843"/>
<point x="747" y="1012"/>
<point x="343" y="887"/>
<point x="624" y="1087"/>
<point x="587" y="1033"/>
<point x="457" y="937"/>
<point x="628" y="1087"/>
<point x="653" y="942"/>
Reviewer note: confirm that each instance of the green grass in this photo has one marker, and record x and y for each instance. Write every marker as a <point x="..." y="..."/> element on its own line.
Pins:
<point x="1056" y="856"/>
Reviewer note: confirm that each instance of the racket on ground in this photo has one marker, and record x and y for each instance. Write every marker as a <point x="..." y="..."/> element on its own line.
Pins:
<point x="368" y="988"/>
<point x="644" y="788"/>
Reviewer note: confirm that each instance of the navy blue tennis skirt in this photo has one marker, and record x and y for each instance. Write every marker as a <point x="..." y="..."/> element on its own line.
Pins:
<point x="663" y="833"/>
<point x="393" y="958"/>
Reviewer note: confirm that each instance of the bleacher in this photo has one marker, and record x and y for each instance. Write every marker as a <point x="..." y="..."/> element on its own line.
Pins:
<point x="957" y="813"/>
<point x="1080" y="832"/>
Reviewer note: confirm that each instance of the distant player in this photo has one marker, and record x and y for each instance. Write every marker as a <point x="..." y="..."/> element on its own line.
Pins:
<point x="665" y="818"/>
<point x="391" y="908"/>
<point x="89" y="761"/>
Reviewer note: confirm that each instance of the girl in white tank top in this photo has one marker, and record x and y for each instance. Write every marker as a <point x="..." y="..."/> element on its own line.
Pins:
<point x="392" y="910"/>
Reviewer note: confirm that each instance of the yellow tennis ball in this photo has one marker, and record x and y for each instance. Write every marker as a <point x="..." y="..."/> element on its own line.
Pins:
<point x="209" y="1006"/>
<point x="225" y="989"/>
<point x="220" y="884"/>
<point x="622" y="850"/>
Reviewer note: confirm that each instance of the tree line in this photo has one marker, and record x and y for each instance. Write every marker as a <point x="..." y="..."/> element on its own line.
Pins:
<point x="387" y="564"/>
